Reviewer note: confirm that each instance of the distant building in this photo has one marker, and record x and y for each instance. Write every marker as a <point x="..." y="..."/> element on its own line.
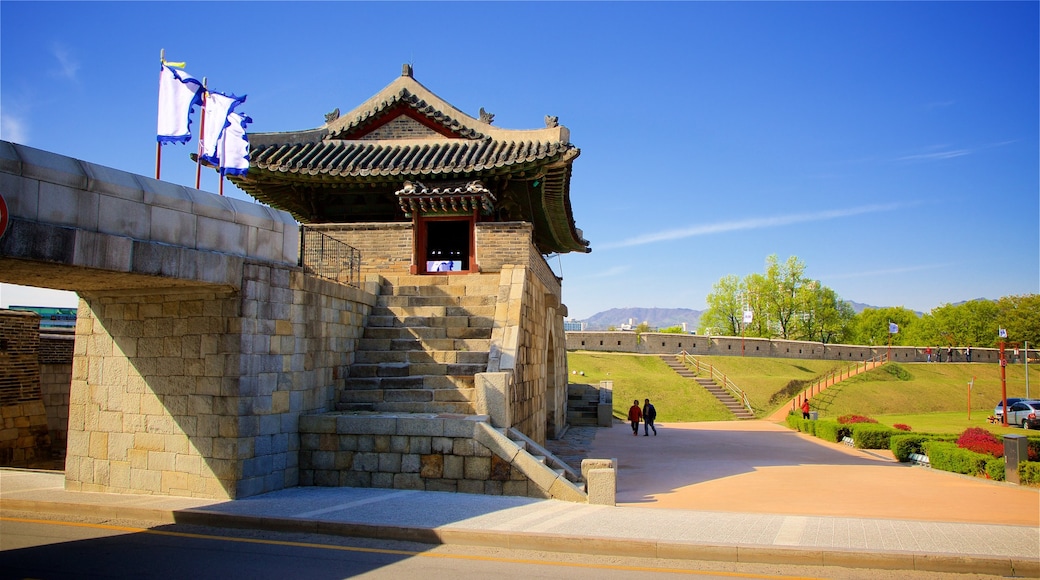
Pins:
<point x="574" y="325"/>
<point x="52" y="317"/>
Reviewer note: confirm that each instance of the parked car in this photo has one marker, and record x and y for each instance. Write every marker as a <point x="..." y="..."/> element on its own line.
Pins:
<point x="1025" y="414"/>
<point x="999" y="411"/>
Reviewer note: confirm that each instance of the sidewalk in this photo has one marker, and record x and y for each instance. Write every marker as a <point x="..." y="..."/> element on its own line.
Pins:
<point x="680" y="531"/>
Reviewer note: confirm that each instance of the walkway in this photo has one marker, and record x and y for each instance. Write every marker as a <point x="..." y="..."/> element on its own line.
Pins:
<point x="740" y="492"/>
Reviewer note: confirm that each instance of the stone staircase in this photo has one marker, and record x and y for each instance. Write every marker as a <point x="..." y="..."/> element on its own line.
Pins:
<point x="582" y="403"/>
<point x="722" y="394"/>
<point x="424" y="340"/>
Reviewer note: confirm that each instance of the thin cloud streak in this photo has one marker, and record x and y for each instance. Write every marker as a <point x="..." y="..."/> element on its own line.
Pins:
<point x="939" y="155"/>
<point x="749" y="224"/>
<point x="13" y="129"/>
<point x="888" y="272"/>
<point x="68" y="67"/>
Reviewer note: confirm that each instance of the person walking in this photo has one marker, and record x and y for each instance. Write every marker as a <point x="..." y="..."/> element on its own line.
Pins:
<point x="805" y="408"/>
<point x="634" y="415"/>
<point x="649" y="414"/>
<point x="967" y="353"/>
<point x="949" y="354"/>
<point x="928" y="353"/>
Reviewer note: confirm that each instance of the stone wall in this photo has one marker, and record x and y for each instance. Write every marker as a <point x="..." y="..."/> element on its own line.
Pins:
<point x="24" y="439"/>
<point x="666" y="343"/>
<point x="386" y="248"/>
<point x="56" y="351"/>
<point x="198" y="392"/>
<point x="431" y="453"/>
<point x="504" y="243"/>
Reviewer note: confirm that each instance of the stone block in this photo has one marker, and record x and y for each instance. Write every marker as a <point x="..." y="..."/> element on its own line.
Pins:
<point x="448" y="485"/>
<point x="496" y="442"/>
<point x="432" y="466"/>
<point x="471" y="486"/>
<point x="515" y="487"/>
<point x="601" y="484"/>
<point x="355" y="479"/>
<point x="453" y="467"/>
<point x="410" y="462"/>
<point x="382" y="479"/>
<point x="409" y="481"/>
<point x="589" y="464"/>
<point x="441" y="444"/>
<point x="364" y="425"/>
<point x="390" y="462"/>
<point x="419" y="445"/>
<point x="365" y="462"/>
<point x="430" y="427"/>
<point x="492" y="397"/>
<point x="478" y="468"/>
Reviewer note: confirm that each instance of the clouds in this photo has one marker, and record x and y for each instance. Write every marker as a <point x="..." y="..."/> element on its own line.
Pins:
<point x="13" y="128"/>
<point x="750" y="224"/>
<point x="68" y="65"/>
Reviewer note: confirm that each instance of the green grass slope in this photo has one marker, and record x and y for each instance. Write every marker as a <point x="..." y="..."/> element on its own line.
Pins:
<point x="640" y="377"/>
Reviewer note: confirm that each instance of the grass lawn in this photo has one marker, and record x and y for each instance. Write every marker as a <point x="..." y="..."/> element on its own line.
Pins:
<point x="949" y="422"/>
<point x="640" y="377"/>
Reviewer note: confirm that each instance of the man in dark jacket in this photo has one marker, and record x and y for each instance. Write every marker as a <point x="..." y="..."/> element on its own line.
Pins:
<point x="649" y="414"/>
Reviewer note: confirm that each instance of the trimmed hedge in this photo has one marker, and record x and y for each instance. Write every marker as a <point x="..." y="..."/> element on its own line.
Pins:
<point x="949" y="457"/>
<point x="1029" y="473"/>
<point x="830" y="430"/>
<point x="903" y="446"/>
<point x="871" y="435"/>
<point x="995" y="469"/>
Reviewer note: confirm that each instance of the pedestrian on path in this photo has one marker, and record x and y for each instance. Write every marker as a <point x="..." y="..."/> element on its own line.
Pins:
<point x="949" y="354"/>
<point x="649" y="414"/>
<point x="805" y="408"/>
<point x="928" y="353"/>
<point x="967" y="353"/>
<point x="634" y="415"/>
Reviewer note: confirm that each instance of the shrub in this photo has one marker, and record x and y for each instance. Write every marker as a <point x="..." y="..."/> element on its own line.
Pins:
<point x="903" y="446"/>
<point x="950" y="457"/>
<point x="851" y="419"/>
<point x="995" y="469"/>
<point x="1029" y="473"/>
<point x="980" y="440"/>
<point x="829" y="431"/>
<point x="870" y="436"/>
<point x="902" y="427"/>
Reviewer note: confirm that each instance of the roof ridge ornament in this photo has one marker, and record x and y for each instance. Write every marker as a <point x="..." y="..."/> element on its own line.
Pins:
<point x="330" y="117"/>
<point x="406" y="70"/>
<point x="552" y="121"/>
<point x="486" y="117"/>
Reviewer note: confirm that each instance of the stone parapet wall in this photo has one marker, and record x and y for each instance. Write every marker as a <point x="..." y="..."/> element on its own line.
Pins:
<point x="417" y="452"/>
<point x="667" y="343"/>
<point x="56" y="350"/>
<point x="386" y="248"/>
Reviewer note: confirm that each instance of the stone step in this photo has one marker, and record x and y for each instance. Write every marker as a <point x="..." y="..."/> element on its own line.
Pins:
<point x="421" y="357"/>
<point x="432" y="322"/>
<point x="441" y="300"/>
<point x="432" y="407"/>
<point x="394" y="332"/>
<point x="412" y="343"/>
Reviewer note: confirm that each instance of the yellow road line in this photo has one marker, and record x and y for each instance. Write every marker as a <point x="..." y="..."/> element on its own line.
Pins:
<point x="131" y="530"/>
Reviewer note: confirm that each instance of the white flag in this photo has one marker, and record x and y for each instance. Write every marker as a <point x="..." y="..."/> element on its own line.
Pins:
<point x="218" y="107"/>
<point x="1002" y="332"/>
<point x="893" y="328"/>
<point x="178" y="93"/>
<point x="233" y="147"/>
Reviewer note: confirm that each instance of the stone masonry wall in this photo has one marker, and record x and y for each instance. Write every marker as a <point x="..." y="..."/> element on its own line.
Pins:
<point x="24" y="438"/>
<point x="386" y="248"/>
<point x="55" y="381"/>
<point x="431" y="453"/>
<point x="502" y="243"/>
<point x="666" y="343"/>
<point x="198" y="393"/>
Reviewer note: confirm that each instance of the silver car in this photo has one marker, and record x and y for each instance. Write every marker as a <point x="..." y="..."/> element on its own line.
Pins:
<point x="1025" y="414"/>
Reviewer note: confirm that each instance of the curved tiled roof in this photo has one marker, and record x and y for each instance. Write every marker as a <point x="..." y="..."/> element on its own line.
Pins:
<point x="411" y="159"/>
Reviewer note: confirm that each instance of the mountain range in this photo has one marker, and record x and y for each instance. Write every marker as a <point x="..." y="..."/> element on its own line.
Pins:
<point x="662" y="317"/>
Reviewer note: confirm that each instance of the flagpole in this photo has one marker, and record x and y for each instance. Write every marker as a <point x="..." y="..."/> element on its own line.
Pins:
<point x="158" y="144"/>
<point x="202" y="135"/>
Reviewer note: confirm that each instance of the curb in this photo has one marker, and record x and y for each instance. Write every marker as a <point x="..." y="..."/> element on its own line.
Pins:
<point x="561" y="543"/>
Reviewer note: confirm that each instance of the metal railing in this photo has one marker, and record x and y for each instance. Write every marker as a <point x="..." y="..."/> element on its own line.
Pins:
<point x="839" y="375"/>
<point x="329" y="258"/>
<point x="719" y="377"/>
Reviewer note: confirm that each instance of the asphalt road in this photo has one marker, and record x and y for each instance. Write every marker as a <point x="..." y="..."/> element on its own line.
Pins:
<point x="53" y="550"/>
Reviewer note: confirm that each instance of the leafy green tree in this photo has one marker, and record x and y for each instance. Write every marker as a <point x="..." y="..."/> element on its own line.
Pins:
<point x="724" y="312"/>
<point x="677" y="329"/>
<point x="783" y="282"/>
<point x="972" y="323"/>
<point x="872" y="325"/>
<point x="824" y="316"/>
<point x="1020" y="316"/>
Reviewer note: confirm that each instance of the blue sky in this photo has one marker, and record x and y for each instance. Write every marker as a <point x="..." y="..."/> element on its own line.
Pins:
<point x="891" y="146"/>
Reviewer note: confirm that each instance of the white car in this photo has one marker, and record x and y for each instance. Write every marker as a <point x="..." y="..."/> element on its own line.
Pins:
<point x="1025" y="414"/>
<point x="999" y="411"/>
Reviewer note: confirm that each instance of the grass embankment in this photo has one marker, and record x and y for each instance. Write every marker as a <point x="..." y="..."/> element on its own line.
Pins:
<point x="641" y="377"/>
<point x="772" y="382"/>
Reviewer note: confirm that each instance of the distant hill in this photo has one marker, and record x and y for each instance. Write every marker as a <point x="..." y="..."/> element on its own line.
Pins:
<point x="655" y="317"/>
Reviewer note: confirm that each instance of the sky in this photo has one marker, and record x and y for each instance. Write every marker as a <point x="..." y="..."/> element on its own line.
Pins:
<point x="892" y="147"/>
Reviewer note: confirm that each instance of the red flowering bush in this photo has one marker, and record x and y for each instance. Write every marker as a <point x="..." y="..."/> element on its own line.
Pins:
<point x="982" y="441"/>
<point x="902" y="427"/>
<point x="849" y="419"/>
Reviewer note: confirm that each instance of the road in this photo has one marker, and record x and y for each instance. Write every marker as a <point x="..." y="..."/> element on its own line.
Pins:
<point x="52" y="550"/>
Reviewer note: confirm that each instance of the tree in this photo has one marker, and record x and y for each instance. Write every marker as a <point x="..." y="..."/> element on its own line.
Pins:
<point x="972" y="323"/>
<point x="824" y="317"/>
<point x="1020" y="316"/>
<point x="783" y="282"/>
<point x="724" y="311"/>
<point x="872" y="325"/>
